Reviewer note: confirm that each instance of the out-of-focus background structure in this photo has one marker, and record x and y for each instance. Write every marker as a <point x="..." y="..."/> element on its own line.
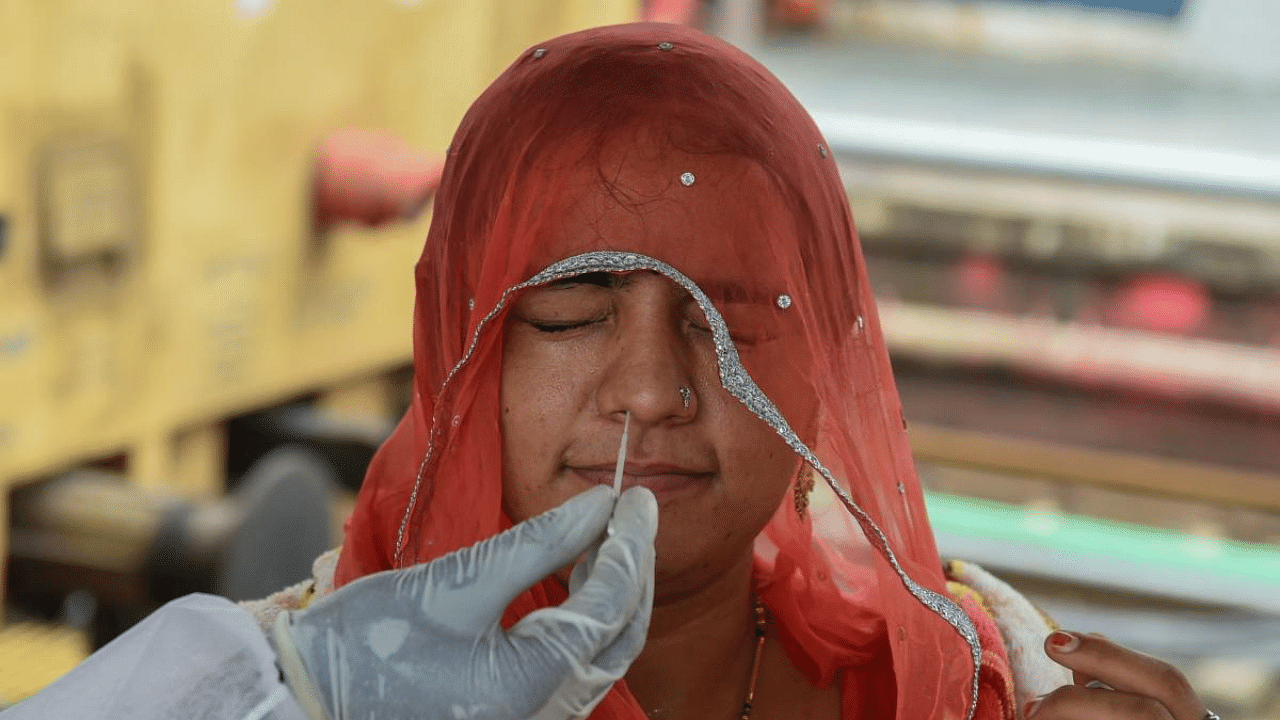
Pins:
<point x="1072" y="215"/>
<point x="1071" y="210"/>
<point x="209" y="216"/>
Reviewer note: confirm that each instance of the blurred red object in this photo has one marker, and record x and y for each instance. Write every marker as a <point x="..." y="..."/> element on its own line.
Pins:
<point x="797" y="13"/>
<point x="679" y="12"/>
<point x="978" y="282"/>
<point x="1162" y="303"/>
<point x="801" y="12"/>
<point x="371" y="177"/>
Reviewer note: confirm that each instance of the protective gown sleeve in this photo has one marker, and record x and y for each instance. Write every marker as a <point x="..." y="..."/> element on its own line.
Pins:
<point x="200" y="656"/>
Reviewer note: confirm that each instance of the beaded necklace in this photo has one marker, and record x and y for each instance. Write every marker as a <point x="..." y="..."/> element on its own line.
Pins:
<point x="762" y="623"/>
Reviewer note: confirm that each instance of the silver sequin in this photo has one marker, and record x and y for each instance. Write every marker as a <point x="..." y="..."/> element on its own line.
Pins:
<point x="471" y="304"/>
<point x="539" y="53"/>
<point x="784" y="301"/>
<point x="687" y="179"/>
<point x="859" y="323"/>
<point x="665" y="46"/>
<point x="735" y="379"/>
<point x="822" y="150"/>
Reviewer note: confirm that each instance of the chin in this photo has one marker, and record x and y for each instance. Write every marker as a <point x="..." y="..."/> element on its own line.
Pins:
<point x="692" y="555"/>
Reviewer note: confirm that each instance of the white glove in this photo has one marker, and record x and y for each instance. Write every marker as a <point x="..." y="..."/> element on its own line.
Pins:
<point x="425" y="642"/>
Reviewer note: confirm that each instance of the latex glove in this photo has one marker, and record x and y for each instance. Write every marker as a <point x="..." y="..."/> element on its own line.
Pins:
<point x="425" y="642"/>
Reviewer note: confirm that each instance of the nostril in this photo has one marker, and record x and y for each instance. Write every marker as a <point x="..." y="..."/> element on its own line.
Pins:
<point x="650" y="401"/>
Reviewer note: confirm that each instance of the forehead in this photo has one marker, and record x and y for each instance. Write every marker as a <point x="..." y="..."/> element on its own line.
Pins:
<point x="719" y="218"/>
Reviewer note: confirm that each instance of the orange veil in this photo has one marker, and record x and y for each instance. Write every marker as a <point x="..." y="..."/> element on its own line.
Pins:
<point x="855" y="585"/>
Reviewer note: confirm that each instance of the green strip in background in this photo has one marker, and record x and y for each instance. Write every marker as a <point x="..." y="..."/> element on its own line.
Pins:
<point x="1086" y="536"/>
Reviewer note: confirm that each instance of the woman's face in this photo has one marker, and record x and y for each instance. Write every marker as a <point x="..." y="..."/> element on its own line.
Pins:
<point x="581" y="354"/>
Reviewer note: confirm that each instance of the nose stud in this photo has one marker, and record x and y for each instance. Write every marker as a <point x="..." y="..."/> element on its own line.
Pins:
<point x="686" y="395"/>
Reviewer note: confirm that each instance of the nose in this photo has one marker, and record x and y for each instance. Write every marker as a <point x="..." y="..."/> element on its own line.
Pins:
<point x="650" y="371"/>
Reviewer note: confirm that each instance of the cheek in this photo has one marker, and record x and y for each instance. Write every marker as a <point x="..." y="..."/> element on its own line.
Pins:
<point x="756" y="468"/>
<point x="523" y="479"/>
<point x="757" y="464"/>
<point x="758" y="473"/>
<point x="782" y="370"/>
<point x="539" y="411"/>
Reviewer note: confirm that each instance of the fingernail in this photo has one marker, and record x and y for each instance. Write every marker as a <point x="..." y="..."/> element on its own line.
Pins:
<point x="1063" y="641"/>
<point x="1030" y="708"/>
<point x="1098" y="685"/>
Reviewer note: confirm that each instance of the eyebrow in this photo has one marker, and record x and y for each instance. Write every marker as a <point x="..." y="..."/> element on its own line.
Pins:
<point x="608" y="280"/>
<point x="716" y="290"/>
<point x="728" y="292"/>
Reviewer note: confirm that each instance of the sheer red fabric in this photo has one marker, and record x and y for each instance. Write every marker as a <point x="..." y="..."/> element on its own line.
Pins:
<point x="855" y="585"/>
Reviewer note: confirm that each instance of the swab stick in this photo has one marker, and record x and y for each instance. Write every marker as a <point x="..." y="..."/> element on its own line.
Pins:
<point x="622" y="455"/>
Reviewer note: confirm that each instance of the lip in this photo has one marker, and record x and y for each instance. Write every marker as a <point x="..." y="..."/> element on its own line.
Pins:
<point x="662" y="479"/>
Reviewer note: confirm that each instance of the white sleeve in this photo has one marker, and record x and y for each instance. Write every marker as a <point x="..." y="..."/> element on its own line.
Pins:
<point x="200" y="656"/>
<point x="1022" y="627"/>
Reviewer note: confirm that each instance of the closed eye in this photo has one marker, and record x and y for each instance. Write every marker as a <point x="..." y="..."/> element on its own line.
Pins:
<point x="555" y="327"/>
<point x="559" y="326"/>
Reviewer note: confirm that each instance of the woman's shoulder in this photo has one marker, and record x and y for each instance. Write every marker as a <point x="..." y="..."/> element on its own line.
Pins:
<point x="1015" y="668"/>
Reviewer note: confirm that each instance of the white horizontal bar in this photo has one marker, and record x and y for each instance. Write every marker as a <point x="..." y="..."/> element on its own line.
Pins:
<point x="1038" y="152"/>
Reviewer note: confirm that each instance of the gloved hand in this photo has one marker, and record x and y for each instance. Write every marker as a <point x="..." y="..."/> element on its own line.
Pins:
<point x="425" y="642"/>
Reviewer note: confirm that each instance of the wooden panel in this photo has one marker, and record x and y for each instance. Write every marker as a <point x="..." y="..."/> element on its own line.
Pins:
<point x="1036" y="459"/>
<point x="203" y="290"/>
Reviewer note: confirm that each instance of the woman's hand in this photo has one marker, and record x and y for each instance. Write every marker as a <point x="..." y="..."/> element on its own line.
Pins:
<point x="1114" y="683"/>
<point x="427" y="641"/>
